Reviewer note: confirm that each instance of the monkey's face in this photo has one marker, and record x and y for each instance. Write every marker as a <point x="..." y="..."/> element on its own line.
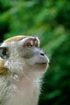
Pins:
<point x="24" y="54"/>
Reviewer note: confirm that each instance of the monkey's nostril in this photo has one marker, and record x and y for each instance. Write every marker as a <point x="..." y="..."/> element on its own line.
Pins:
<point x="42" y="54"/>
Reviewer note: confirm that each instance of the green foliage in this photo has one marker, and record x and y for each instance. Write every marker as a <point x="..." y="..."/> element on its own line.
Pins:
<point x="50" y="21"/>
<point x="56" y="85"/>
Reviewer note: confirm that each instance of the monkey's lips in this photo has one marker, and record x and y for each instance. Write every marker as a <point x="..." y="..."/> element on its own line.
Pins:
<point x="42" y="64"/>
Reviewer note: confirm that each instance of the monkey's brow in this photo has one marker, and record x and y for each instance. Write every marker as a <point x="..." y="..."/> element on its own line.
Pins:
<point x="18" y="38"/>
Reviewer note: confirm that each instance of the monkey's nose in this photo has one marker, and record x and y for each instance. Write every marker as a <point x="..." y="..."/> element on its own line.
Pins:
<point x="42" y="54"/>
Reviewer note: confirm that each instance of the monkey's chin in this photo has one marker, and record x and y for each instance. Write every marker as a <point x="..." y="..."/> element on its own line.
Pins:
<point x="42" y="66"/>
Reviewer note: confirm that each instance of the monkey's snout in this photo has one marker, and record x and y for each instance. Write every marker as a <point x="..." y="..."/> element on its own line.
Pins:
<point x="42" y="59"/>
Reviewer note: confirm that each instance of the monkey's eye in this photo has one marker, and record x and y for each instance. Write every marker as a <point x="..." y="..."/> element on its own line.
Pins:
<point x="32" y="43"/>
<point x="29" y="44"/>
<point x="4" y="53"/>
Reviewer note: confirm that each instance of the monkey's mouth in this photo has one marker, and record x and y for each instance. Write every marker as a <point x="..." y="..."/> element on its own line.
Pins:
<point x="42" y="63"/>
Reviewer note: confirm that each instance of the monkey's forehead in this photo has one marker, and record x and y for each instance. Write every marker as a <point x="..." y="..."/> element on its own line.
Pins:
<point x="18" y="38"/>
<point x="14" y="38"/>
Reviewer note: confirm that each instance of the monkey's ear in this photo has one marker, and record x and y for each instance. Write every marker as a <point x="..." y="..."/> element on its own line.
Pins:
<point x="4" y="52"/>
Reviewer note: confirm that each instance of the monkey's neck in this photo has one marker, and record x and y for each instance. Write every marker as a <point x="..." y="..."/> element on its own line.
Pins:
<point x="31" y="78"/>
<point x="26" y="90"/>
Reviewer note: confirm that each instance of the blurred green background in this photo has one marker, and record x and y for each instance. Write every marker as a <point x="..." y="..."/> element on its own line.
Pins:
<point x="50" y="21"/>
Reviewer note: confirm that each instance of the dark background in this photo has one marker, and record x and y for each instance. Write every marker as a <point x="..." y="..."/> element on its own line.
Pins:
<point x="50" y="21"/>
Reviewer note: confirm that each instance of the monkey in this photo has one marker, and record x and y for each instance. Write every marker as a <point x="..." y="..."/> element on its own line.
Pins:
<point x="22" y="66"/>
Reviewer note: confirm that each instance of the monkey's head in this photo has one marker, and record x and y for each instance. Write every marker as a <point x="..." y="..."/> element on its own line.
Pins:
<point x="23" y="54"/>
